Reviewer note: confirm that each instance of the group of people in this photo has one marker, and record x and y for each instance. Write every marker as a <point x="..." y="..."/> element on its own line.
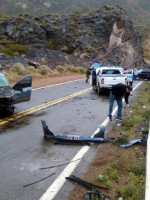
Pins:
<point x="117" y="92"/>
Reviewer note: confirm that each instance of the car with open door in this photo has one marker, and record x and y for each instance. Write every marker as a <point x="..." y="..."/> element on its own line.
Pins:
<point x="9" y="96"/>
<point x="129" y="73"/>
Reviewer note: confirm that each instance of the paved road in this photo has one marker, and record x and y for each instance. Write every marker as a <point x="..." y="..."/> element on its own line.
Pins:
<point x="71" y="108"/>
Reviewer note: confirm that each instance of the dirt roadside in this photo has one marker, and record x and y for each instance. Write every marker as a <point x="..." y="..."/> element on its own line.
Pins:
<point x="45" y="80"/>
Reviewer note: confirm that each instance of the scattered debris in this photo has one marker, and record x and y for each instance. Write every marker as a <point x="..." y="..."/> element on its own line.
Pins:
<point x="60" y="164"/>
<point x="131" y="142"/>
<point x="142" y="141"/>
<point x="86" y="184"/>
<point x="118" y="124"/>
<point x="90" y="186"/>
<point x="39" y="180"/>
<point x="145" y="137"/>
<point x="95" y="195"/>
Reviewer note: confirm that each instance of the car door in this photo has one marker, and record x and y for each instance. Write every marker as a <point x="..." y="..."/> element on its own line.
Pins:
<point x="22" y="89"/>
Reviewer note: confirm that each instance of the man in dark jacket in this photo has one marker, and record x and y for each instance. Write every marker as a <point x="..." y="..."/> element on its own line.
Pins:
<point x="118" y="91"/>
<point x="87" y="75"/>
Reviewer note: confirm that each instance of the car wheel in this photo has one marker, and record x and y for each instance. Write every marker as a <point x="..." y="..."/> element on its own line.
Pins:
<point x="11" y="110"/>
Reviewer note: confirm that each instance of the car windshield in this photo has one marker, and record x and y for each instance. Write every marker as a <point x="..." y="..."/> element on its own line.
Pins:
<point x="129" y="71"/>
<point x="110" y="71"/>
<point x="3" y="81"/>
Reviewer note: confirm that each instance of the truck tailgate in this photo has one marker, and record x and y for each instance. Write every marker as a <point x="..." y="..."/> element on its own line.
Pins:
<point x="113" y="80"/>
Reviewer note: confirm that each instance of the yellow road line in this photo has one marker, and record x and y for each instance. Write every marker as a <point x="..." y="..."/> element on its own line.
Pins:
<point x="42" y="106"/>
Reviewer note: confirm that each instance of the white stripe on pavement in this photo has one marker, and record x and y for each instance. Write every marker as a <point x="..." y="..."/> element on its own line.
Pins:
<point x="57" y="84"/>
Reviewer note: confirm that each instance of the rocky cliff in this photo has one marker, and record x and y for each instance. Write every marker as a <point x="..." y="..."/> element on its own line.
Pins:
<point x="106" y="34"/>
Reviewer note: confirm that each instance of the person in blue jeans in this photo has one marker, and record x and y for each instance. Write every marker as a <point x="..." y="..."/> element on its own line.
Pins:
<point x="117" y="92"/>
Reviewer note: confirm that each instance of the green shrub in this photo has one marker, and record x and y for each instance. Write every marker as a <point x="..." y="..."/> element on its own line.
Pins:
<point x="18" y="68"/>
<point x="70" y="69"/>
<point x="81" y="70"/>
<point x="54" y="73"/>
<point x="73" y="69"/>
<point x="1" y="48"/>
<point x="123" y="139"/>
<point x="137" y="118"/>
<point x="61" y="69"/>
<point x="49" y="44"/>
<point x="136" y="168"/>
<point x="114" y="174"/>
<point x="127" y="123"/>
<point x="145" y="114"/>
<point x="64" y="48"/>
<point x="15" y="49"/>
<point x="134" y="188"/>
<point x="31" y="70"/>
<point x="43" y="69"/>
<point x="11" y="75"/>
<point x="112" y="170"/>
<point x="105" y="179"/>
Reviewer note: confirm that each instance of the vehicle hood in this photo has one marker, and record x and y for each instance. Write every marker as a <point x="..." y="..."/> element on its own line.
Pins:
<point x="6" y="92"/>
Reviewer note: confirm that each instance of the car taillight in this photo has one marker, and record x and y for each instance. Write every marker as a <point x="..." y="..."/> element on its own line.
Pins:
<point x="102" y="81"/>
<point x="126" y="80"/>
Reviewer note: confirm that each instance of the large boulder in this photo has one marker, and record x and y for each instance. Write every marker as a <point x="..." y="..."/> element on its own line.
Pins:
<point x="124" y="47"/>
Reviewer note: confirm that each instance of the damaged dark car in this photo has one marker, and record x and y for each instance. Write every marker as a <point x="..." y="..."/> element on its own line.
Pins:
<point x="9" y="96"/>
<point x="144" y="74"/>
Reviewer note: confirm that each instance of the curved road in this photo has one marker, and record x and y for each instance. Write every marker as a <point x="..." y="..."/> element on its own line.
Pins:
<point x="68" y="108"/>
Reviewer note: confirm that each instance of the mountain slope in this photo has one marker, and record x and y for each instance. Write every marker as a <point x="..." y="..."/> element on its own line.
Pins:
<point x="106" y="34"/>
<point x="138" y="10"/>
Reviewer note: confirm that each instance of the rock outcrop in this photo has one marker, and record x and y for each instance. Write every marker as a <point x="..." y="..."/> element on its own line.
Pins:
<point x="124" y="47"/>
<point x="106" y="34"/>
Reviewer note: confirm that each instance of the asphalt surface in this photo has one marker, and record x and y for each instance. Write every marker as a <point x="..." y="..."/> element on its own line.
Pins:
<point x="23" y="149"/>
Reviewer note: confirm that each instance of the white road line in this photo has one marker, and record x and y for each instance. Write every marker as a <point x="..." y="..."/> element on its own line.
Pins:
<point x="58" y="183"/>
<point x="137" y="85"/>
<point x="56" y="84"/>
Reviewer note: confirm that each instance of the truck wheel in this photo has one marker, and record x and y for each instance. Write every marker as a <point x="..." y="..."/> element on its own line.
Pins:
<point x="99" y="89"/>
<point x="131" y="83"/>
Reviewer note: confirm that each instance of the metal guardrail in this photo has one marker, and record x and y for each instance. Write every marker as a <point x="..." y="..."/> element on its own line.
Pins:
<point x="147" y="185"/>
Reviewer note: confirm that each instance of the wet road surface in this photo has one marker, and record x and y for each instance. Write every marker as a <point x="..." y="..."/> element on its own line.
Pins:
<point x="24" y="151"/>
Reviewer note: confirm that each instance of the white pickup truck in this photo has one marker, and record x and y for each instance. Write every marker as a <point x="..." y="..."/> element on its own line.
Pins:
<point x="104" y="77"/>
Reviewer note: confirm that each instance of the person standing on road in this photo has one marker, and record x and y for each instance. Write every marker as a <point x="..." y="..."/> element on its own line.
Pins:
<point x="87" y="75"/>
<point x="118" y="91"/>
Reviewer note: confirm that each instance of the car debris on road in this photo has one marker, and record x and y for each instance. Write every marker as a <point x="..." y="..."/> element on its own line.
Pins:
<point x="74" y="139"/>
<point x="94" y="192"/>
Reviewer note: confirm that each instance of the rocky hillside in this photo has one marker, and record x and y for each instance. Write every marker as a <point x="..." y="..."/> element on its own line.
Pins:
<point x="105" y="34"/>
<point x="139" y="11"/>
